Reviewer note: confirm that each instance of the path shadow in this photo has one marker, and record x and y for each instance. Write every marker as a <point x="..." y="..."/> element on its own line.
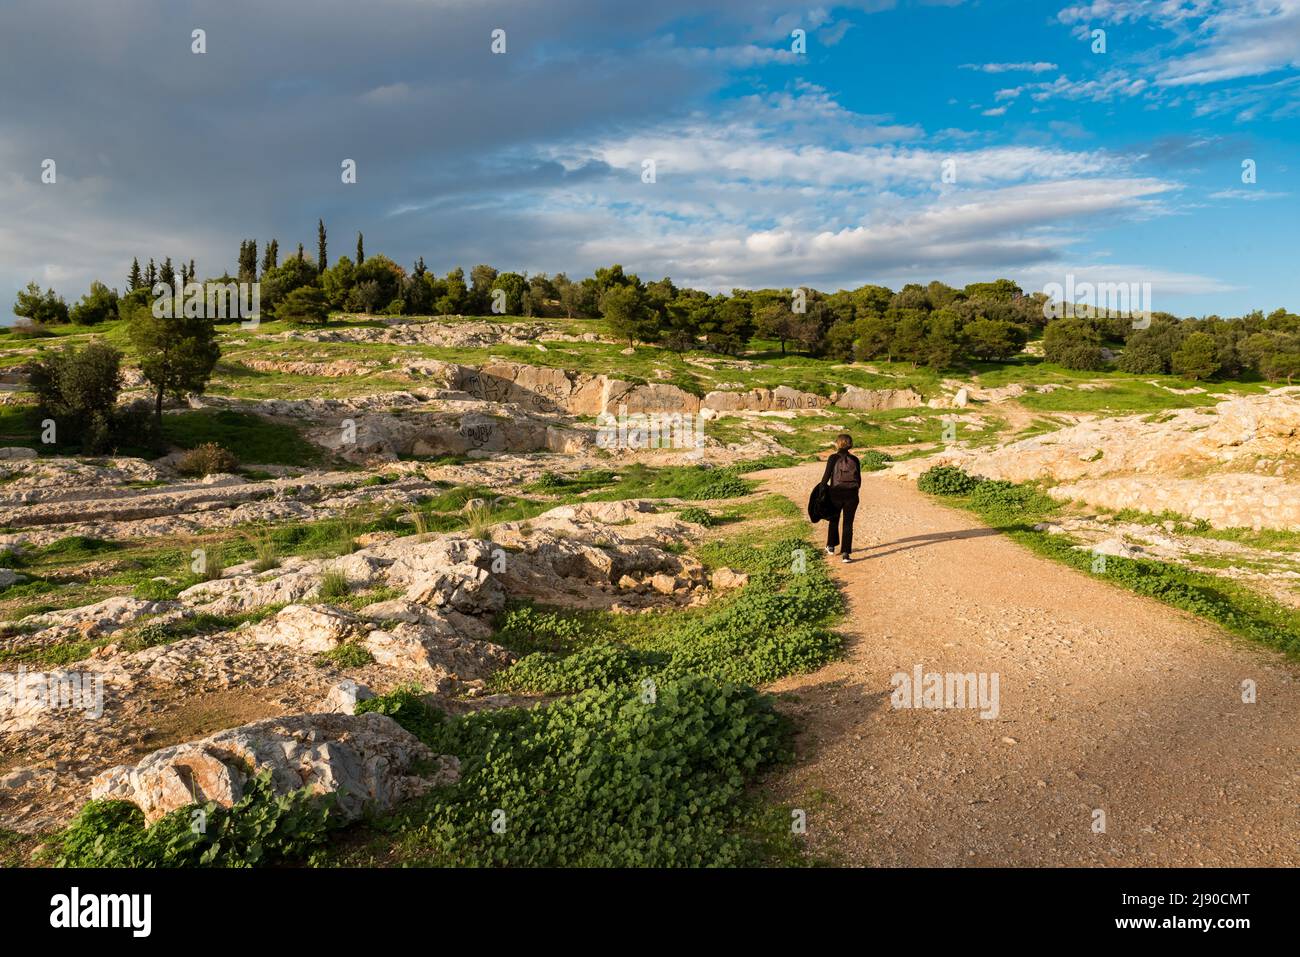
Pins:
<point x="919" y="541"/>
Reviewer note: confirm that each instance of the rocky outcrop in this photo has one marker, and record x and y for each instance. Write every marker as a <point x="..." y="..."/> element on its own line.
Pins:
<point x="781" y="399"/>
<point x="449" y="332"/>
<point x="365" y="762"/>
<point x="875" y="400"/>
<point x="1234" y="465"/>
<point x="634" y="399"/>
<point x="537" y="388"/>
<point x="1224" y="501"/>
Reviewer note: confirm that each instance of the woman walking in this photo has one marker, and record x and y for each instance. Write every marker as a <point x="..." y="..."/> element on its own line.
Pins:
<point x="842" y="478"/>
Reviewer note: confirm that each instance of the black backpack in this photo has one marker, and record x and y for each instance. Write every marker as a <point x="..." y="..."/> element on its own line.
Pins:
<point x="844" y="474"/>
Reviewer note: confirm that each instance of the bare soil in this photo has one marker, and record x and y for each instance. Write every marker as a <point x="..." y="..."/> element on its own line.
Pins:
<point x="1109" y="702"/>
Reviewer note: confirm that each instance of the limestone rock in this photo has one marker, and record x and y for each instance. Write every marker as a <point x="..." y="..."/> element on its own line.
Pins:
<point x="313" y="628"/>
<point x="872" y="400"/>
<point x="726" y="579"/>
<point x="366" y="761"/>
<point x="344" y="696"/>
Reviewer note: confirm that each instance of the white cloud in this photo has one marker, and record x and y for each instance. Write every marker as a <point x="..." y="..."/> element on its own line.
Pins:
<point x="1249" y="195"/>
<point x="1241" y="40"/>
<point x="1035" y="67"/>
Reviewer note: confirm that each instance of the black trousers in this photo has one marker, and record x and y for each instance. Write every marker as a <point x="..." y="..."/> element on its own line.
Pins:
<point x="842" y="501"/>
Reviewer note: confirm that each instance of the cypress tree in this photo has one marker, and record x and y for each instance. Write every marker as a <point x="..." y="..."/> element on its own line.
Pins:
<point x="321" y="260"/>
<point x="248" y="261"/>
<point x="300" y="252"/>
<point x="361" y="249"/>
<point x="275" y="253"/>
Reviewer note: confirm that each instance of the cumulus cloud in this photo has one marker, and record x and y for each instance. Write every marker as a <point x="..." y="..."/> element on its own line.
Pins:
<point x="530" y="160"/>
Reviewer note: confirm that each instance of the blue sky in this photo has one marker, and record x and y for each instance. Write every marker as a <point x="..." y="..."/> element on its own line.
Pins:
<point x="772" y="168"/>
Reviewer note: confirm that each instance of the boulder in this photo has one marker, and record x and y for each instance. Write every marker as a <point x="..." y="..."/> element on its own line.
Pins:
<point x="314" y="628"/>
<point x="443" y="656"/>
<point x="344" y="696"/>
<point x="726" y="579"/>
<point x="366" y="761"/>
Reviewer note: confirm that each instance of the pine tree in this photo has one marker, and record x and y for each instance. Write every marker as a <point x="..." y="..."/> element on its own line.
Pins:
<point x="167" y="274"/>
<point x="248" y="261"/>
<point x="194" y="273"/>
<point x="361" y="249"/>
<point x="321" y="260"/>
<point x="151" y="275"/>
<point x="134" y="279"/>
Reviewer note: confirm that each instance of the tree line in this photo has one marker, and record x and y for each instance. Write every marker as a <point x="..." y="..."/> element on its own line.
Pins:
<point x="937" y="326"/>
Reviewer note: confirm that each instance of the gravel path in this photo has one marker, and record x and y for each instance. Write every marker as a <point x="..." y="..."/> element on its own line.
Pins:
<point x="1109" y="702"/>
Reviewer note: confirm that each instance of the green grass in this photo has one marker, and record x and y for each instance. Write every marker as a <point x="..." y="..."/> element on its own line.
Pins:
<point x="691" y="482"/>
<point x="252" y="438"/>
<point x="776" y="625"/>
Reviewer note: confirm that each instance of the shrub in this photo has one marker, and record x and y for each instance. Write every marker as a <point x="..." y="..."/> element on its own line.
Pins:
<point x="1196" y="358"/>
<point x="78" y="389"/>
<point x="1009" y="498"/>
<point x="697" y="516"/>
<point x="304" y="306"/>
<point x="1082" y="358"/>
<point x="597" y="666"/>
<point x="98" y="305"/>
<point x="347" y="655"/>
<point x="405" y="706"/>
<point x="607" y="778"/>
<point x="946" y="480"/>
<point x="1071" y="339"/>
<point x="260" y="828"/>
<point x="723" y="483"/>
<point x="206" y="459"/>
<point x="135" y="427"/>
<point x="1142" y="359"/>
<point x="873" y="461"/>
<point x="528" y="628"/>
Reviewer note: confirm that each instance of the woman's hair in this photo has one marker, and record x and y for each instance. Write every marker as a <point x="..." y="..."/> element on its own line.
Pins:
<point x="844" y="441"/>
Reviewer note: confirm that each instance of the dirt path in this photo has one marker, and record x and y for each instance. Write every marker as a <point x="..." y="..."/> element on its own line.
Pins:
<point x="1108" y="702"/>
